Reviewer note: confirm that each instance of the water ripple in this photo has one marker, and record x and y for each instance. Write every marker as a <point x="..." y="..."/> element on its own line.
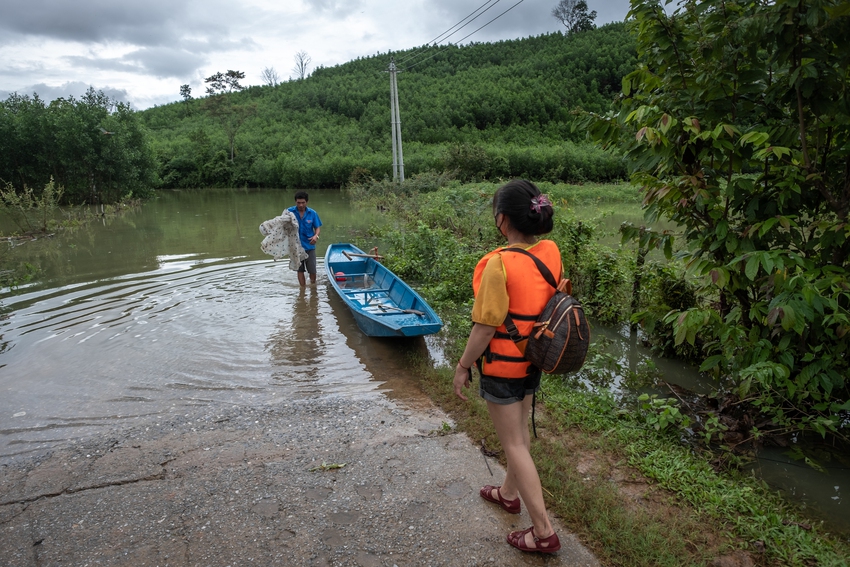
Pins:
<point x="195" y="331"/>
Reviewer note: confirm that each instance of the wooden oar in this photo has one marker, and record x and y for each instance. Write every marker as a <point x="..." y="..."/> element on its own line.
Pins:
<point x="351" y="255"/>
<point x="383" y="307"/>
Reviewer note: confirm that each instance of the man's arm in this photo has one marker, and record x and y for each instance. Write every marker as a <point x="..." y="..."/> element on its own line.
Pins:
<point x="317" y="226"/>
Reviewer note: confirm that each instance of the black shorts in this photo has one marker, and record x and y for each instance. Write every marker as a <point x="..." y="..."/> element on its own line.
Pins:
<point x="310" y="263"/>
<point x="506" y="391"/>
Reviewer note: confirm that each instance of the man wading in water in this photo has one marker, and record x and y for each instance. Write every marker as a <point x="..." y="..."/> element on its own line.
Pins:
<point x="308" y="232"/>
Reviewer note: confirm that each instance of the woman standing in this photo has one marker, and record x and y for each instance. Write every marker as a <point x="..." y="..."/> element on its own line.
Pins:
<point x="510" y="283"/>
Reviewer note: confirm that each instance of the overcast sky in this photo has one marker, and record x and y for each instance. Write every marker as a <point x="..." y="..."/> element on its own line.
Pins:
<point x="142" y="51"/>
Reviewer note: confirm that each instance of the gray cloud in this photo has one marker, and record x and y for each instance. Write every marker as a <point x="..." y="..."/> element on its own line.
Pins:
<point x="167" y="62"/>
<point x="152" y="22"/>
<point x="90" y="20"/>
<point x="336" y="8"/>
<point x="161" y="61"/>
<point x="157" y="61"/>
<point x="531" y="17"/>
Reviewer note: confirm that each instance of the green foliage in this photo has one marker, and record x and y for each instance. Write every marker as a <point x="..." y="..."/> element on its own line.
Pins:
<point x="14" y="276"/>
<point x="662" y="414"/>
<point x="471" y="163"/>
<point x="439" y="234"/>
<point x="665" y="288"/>
<point x="487" y="111"/>
<point x="736" y="124"/>
<point x="230" y="116"/>
<point x="31" y="212"/>
<point x="442" y="228"/>
<point x="609" y="278"/>
<point x="94" y="147"/>
<point x="221" y="83"/>
<point x="601" y="276"/>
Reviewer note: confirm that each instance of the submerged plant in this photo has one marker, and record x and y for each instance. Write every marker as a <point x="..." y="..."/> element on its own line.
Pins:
<point x="29" y="211"/>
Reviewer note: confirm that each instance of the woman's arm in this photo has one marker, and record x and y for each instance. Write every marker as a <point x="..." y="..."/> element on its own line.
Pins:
<point x="479" y="338"/>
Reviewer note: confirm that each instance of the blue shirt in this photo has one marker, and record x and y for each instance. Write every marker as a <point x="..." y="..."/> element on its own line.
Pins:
<point x="306" y="226"/>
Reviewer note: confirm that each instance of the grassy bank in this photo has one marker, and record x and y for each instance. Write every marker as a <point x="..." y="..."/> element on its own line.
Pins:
<point x="639" y="498"/>
<point x="635" y="495"/>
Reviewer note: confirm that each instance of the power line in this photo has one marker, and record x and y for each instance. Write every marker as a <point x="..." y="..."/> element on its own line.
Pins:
<point x="465" y="37"/>
<point x="494" y="19"/>
<point x="439" y="37"/>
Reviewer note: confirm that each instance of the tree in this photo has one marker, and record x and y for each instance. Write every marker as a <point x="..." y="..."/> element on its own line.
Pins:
<point x="302" y="61"/>
<point x="736" y="124"/>
<point x="93" y="147"/>
<point x="270" y="77"/>
<point x="574" y="15"/>
<point x="221" y="83"/>
<point x="230" y="116"/>
<point x="186" y="93"/>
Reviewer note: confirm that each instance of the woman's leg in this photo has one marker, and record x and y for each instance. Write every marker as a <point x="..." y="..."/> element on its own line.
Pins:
<point x="511" y="423"/>
<point x="510" y="488"/>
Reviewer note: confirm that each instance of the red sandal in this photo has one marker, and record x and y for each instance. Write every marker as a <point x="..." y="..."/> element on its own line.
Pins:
<point x="509" y="506"/>
<point x="549" y="544"/>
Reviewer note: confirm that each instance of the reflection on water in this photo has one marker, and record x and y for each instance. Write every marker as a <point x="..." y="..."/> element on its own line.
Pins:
<point x="820" y="492"/>
<point x="297" y="345"/>
<point x="628" y="350"/>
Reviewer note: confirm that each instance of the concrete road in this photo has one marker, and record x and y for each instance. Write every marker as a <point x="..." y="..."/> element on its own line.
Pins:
<point x="260" y="486"/>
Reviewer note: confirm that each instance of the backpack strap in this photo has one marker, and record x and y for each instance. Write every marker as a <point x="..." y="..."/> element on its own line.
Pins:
<point x="513" y="332"/>
<point x="544" y="270"/>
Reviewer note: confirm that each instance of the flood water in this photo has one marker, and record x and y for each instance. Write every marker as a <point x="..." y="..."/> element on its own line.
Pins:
<point x="173" y="306"/>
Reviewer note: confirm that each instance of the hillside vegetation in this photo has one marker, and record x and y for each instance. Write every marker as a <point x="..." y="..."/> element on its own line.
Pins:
<point x="484" y="110"/>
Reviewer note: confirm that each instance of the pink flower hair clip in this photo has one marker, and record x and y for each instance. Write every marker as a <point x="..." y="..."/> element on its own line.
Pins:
<point x="539" y="202"/>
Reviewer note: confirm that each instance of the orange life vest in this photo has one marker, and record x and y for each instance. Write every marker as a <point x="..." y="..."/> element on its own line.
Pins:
<point x="528" y="293"/>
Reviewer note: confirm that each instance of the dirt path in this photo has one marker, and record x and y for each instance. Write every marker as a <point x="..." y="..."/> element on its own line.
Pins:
<point x="236" y="486"/>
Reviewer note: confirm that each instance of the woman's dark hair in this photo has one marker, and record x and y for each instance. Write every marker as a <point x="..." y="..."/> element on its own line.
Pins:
<point x="302" y="195"/>
<point x="513" y="199"/>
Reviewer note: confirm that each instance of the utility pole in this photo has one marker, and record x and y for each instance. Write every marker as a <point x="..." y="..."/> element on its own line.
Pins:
<point x="395" y="118"/>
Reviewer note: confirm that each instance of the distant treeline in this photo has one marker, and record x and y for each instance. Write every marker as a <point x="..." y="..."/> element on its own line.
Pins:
<point x="486" y="110"/>
<point x="93" y="147"/>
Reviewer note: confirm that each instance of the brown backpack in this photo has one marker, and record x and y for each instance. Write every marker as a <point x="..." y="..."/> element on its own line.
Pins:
<point x="559" y="338"/>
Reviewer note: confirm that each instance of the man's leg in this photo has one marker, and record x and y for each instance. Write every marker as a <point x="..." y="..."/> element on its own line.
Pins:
<point x="310" y="263"/>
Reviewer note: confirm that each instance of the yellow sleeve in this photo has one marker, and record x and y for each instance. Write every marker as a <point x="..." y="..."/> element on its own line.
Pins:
<point x="492" y="302"/>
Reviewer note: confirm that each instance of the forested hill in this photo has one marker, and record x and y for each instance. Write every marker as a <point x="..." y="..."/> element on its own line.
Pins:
<point x="487" y="110"/>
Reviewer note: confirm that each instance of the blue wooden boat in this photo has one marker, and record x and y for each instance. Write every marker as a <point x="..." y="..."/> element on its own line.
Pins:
<point x="382" y="304"/>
